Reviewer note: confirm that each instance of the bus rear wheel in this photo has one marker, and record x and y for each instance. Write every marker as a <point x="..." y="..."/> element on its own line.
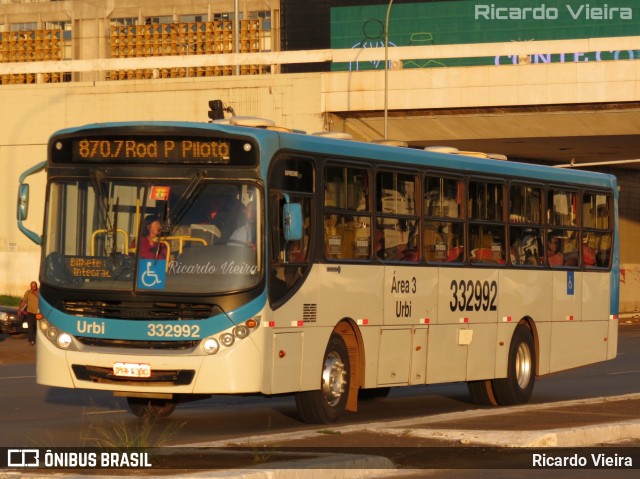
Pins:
<point x="517" y="387"/>
<point x="148" y="408"/>
<point x="326" y="405"/>
<point x="481" y="393"/>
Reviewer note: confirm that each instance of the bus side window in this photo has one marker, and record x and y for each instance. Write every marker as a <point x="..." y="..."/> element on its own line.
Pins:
<point x="525" y="225"/>
<point x="562" y="208"/>
<point x="486" y="225"/>
<point x="443" y="228"/>
<point x="396" y="224"/>
<point x="347" y="216"/>
<point x="597" y="236"/>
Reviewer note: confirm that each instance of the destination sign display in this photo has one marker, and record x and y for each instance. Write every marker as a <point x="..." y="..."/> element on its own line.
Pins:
<point x="152" y="149"/>
<point x="160" y="150"/>
<point x="89" y="267"/>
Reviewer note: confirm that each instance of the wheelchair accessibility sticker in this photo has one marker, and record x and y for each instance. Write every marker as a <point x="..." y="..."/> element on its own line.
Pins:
<point x="571" y="283"/>
<point x="152" y="273"/>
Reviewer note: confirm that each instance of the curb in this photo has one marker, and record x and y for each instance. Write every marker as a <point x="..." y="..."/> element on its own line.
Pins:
<point x="571" y="437"/>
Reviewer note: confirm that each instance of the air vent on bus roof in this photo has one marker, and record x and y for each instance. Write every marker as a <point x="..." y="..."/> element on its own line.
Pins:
<point x="443" y="149"/>
<point x="251" y="121"/>
<point x="399" y="143"/>
<point x="476" y="154"/>
<point x="334" y="134"/>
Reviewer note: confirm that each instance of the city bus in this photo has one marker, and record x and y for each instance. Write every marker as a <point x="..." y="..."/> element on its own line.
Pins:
<point x="181" y="260"/>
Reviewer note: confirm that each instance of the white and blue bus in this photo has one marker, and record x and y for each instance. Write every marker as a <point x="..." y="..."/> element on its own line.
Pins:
<point x="182" y="260"/>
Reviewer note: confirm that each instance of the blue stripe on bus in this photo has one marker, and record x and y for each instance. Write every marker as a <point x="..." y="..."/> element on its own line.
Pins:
<point x="150" y="330"/>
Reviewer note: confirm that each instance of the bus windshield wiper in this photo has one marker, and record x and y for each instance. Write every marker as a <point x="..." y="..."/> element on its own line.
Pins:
<point x="183" y="203"/>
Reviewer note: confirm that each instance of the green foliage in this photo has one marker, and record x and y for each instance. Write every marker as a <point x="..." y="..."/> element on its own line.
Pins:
<point x="7" y="300"/>
<point x="126" y="434"/>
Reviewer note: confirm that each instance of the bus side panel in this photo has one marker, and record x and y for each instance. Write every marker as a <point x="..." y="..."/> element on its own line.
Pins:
<point x="294" y="353"/>
<point x="339" y="292"/>
<point x="371" y="343"/>
<point x="286" y="362"/>
<point x="576" y="343"/>
<point x="481" y="355"/>
<point x="543" y="345"/>
<point x="419" y="355"/>
<point x="348" y="291"/>
<point x="395" y="356"/>
<point x="446" y="358"/>
<point x="524" y="294"/>
<point x="468" y="295"/>
<point x="410" y="295"/>
<point x="566" y="296"/>
<point x="612" y="341"/>
<point x="596" y="296"/>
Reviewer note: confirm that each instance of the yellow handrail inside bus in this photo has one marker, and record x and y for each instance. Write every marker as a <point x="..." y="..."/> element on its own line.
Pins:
<point x="104" y="231"/>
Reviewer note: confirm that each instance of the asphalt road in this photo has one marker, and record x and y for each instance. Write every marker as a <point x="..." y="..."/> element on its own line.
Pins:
<point x="33" y="415"/>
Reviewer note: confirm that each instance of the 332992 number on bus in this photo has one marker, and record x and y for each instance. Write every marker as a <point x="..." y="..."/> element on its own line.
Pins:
<point x="173" y="330"/>
<point x="469" y="295"/>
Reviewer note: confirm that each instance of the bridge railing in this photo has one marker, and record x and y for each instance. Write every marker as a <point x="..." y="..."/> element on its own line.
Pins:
<point x="629" y="45"/>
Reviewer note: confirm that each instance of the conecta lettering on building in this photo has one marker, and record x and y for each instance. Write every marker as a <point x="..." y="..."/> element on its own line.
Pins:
<point x="577" y="57"/>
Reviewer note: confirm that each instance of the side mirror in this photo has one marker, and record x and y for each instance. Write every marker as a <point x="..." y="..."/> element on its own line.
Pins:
<point x="23" y="202"/>
<point x="292" y="221"/>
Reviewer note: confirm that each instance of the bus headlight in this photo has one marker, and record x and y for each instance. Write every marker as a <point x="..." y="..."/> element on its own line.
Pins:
<point x="64" y="341"/>
<point x="241" y="331"/>
<point x="227" y="339"/>
<point x="210" y="346"/>
<point x="59" y="338"/>
<point x="52" y="333"/>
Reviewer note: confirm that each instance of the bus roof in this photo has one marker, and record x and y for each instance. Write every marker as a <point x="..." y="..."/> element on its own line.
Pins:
<point x="273" y="140"/>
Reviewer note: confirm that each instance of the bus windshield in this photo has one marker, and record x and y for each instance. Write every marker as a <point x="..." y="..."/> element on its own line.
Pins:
<point x="172" y="236"/>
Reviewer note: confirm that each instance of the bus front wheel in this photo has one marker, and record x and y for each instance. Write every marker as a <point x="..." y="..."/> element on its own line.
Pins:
<point x="151" y="408"/>
<point x="517" y="387"/>
<point x="326" y="405"/>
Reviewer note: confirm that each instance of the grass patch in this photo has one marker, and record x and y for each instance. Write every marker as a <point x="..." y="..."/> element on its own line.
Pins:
<point x="7" y="300"/>
<point x="125" y="434"/>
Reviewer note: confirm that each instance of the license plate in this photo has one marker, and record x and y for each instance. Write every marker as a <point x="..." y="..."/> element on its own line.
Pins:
<point x="132" y="370"/>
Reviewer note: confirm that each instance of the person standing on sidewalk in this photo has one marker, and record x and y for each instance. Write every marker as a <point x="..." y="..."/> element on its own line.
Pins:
<point x="29" y="305"/>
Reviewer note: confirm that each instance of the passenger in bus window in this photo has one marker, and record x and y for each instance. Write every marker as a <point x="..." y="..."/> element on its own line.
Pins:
<point x="150" y="247"/>
<point x="395" y="240"/>
<point x="588" y="253"/>
<point x="554" y="256"/>
<point x="603" y="249"/>
<point x="526" y="247"/>
<point x="246" y="233"/>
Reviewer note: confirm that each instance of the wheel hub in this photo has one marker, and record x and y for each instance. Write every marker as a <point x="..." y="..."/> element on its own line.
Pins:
<point x="523" y="365"/>
<point x="334" y="378"/>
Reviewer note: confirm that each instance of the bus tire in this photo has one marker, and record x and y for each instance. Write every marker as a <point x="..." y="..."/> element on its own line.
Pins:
<point x="517" y="387"/>
<point x="148" y="408"/>
<point x="326" y="405"/>
<point x="481" y="393"/>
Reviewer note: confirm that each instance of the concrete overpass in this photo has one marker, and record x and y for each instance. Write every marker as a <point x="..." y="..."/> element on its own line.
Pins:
<point x="556" y="112"/>
<point x="580" y="111"/>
